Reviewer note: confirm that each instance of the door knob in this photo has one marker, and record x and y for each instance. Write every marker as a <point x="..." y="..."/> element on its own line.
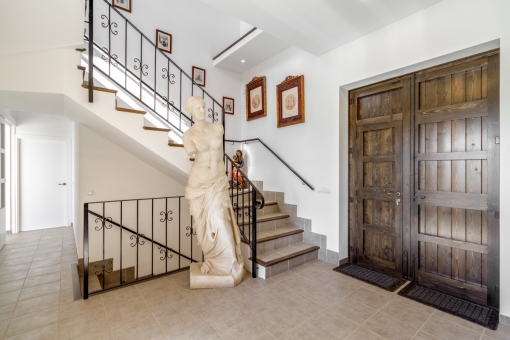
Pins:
<point x="61" y="184"/>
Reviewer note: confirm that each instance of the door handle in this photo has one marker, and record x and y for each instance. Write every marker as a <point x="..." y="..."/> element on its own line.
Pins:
<point x="396" y="194"/>
<point x="61" y="184"/>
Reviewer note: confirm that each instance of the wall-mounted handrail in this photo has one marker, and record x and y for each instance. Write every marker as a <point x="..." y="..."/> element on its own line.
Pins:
<point x="274" y="153"/>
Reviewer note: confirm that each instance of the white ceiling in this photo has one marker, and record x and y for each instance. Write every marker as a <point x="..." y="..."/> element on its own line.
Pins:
<point x="319" y="26"/>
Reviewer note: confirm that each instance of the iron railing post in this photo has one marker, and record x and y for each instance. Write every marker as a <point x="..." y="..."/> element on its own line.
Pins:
<point x="91" y="51"/>
<point x="223" y="122"/>
<point x="86" y="251"/>
<point x="254" y="234"/>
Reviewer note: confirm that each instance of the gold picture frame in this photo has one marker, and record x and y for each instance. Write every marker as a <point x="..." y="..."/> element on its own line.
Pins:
<point x="256" y="102"/>
<point x="290" y="101"/>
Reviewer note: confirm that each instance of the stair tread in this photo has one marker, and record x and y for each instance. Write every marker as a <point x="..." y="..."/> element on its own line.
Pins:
<point x="98" y="88"/>
<point x="153" y="128"/>
<point x="273" y="257"/>
<point x="124" y="109"/>
<point x="81" y="49"/>
<point x="265" y="218"/>
<point x="177" y="145"/>
<point x="273" y="234"/>
<point x="247" y="203"/>
<point x="81" y="68"/>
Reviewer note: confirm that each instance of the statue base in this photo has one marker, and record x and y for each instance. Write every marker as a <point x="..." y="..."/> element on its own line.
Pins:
<point x="199" y="280"/>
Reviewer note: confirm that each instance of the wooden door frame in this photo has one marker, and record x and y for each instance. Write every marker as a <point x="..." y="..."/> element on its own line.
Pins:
<point x="493" y="280"/>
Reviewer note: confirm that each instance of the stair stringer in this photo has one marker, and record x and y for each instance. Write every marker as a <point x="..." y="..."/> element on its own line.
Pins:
<point x="57" y="88"/>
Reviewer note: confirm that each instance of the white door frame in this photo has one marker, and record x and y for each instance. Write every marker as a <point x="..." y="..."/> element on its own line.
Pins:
<point x="68" y="171"/>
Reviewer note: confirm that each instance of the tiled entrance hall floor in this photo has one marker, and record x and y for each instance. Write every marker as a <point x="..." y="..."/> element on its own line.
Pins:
<point x="311" y="302"/>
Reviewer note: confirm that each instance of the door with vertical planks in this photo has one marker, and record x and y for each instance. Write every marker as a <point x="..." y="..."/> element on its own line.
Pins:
<point x="456" y="178"/>
<point x="377" y="192"/>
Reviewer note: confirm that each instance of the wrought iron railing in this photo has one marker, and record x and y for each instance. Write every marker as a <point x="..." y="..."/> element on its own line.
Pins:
<point x="274" y="153"/>
<point x="246" y="200"/>
<point x="135" y="64"/>
<point x="127" y="241"/>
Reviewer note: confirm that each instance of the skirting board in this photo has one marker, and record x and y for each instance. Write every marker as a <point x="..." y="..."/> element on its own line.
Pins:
<point x="343" y="261"/>
<point x="505" y="320"/>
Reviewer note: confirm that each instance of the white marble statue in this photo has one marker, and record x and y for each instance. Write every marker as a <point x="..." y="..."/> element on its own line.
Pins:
<point x="207" y="192"/>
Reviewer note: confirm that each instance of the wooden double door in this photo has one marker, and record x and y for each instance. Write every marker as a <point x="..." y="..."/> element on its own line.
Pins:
<point x="424" y="178"/>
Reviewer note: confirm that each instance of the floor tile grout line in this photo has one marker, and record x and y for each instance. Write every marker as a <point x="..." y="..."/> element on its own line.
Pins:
<point x="418" y="331"/>
<point x="152" y="313"/>
<point x="108" y="321"/>
<point x="439" y="316"/>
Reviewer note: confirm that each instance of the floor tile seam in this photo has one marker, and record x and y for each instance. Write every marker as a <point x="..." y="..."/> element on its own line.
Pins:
<point x="40" y="284"/>
<point x="24" y="315"/>
<point x="152" y="313"/>
<point x="375" y="310"/>
<point x="439" y="316"/>
<point x="485" y="333"/>
<point x="37" y="329"/>
<point x="359" y="326"/>
<point x="418" y="331"/>
<point x="106" y="316"/>
<point x="421" y="310"/>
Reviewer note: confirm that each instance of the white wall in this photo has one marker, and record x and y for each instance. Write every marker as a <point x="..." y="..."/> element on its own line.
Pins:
<point x="44" y="24"/>
<point x="318" y="148"/>
<point x="115" y="174"/>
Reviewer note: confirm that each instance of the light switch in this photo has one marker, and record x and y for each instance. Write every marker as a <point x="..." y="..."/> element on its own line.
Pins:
<point x="90" y="192"/>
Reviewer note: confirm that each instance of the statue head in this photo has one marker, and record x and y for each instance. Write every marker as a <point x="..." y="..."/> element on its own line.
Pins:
<point x="195" y="106"/>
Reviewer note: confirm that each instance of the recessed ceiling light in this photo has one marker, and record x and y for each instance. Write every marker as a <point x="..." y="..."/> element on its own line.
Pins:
<point x="242" y="61"/>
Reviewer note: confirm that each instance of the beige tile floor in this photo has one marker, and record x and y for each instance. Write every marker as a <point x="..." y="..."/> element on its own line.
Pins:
<point x="310" y="302"/>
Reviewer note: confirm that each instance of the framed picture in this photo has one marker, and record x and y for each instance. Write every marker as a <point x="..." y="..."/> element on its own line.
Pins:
<point x="164" y="41"/>
<point x="124" y="5"/>
<point x="290" y="101"/>
<point x="256" y="98"/>
<point x="198" y="75"/>
<point x="228" y="105"/>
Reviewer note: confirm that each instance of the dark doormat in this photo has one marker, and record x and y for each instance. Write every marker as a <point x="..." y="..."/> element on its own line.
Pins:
<point x="381" y="280"/>
<point x="470" y="311"/>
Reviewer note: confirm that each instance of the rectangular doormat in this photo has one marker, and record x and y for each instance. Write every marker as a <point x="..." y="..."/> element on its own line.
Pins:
<point x="381" y="280"/>
<point x="470" y="311"/>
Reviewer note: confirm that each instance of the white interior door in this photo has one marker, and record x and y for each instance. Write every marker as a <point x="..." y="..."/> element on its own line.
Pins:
<point x="43" y="183"/>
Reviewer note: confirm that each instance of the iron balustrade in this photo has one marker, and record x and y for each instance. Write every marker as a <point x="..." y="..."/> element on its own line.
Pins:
<point x="142" y="231"/>
<point x="274" y="153"/>
<point x="245" y="202"/>
<point x="166" y="93"/>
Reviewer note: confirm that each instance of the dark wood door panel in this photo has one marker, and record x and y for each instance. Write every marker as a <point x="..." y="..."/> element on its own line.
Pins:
<point x="452" y="164"/>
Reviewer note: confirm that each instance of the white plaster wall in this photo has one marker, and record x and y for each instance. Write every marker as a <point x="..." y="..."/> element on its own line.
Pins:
<point x="115" y="174"/>
<point x="30" y="25"/>
<point x="318" y="149"/>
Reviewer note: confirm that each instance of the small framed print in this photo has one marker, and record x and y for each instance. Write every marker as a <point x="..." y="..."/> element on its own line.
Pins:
<point x="228" y="105"/>
<point x="256" y="98"/>
<point x="198" y="75"/>
<point x="164" y="41"/>
<point x="124" y="5"/>
<point x="290" y="101"/>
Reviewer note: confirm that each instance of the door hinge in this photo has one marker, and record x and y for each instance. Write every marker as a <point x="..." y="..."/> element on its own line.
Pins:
<point x="350" y="150"/>
<point x="496" y="215"/>
<point x="351" y="101"/>
<point x="351" y="199"/>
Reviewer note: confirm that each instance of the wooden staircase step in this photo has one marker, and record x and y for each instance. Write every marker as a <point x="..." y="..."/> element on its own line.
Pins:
<point x="153" y="128"/>
<point x="247" y="204"/>
<point x="274" y="234"/>
<point x="83" y="68"/>
<point x="97" y="88"/>
<point x="271" y="258"/>
<point x="177" y="145"/>
<point x="81" y="49"/>
<point x="265" y="218"/>
<point x="123" y="109"/>
<point x="192" y="159"/>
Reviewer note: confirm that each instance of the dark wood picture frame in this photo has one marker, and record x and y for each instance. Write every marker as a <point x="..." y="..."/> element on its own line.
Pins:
<point x="290" y="83"/>
<point x="194" y="68"/>
<point x="230" y="112"/>
<point x="114" y="4"/>
<point x="254" y="84"/>
<point x="159" y="45"/>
